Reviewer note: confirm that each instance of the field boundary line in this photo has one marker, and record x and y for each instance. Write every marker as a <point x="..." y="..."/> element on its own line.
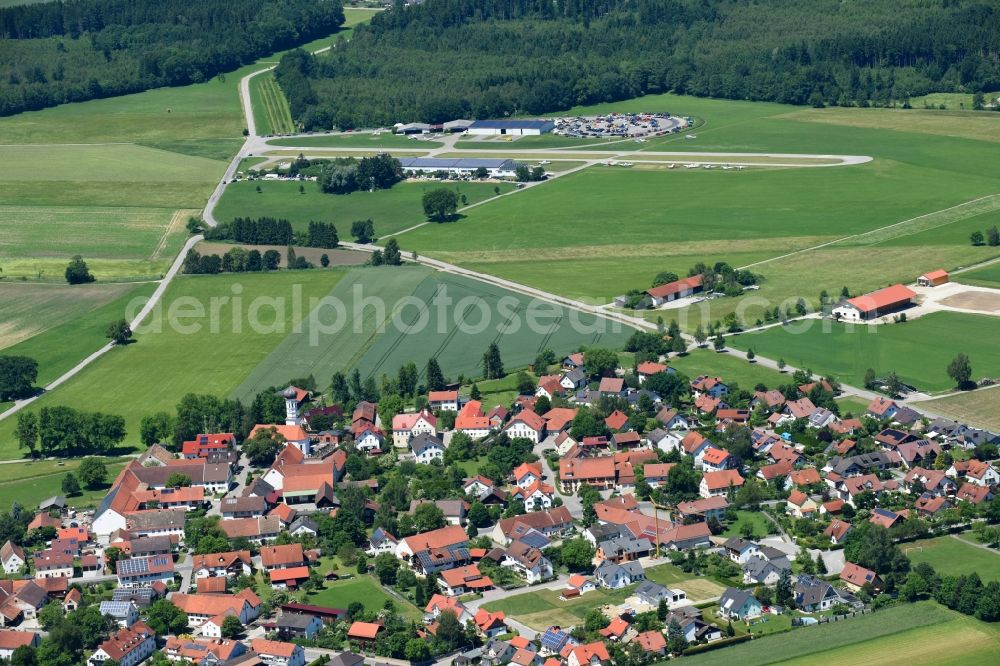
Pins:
<point x="871" y="231"/>
<point x="175" y="221"/>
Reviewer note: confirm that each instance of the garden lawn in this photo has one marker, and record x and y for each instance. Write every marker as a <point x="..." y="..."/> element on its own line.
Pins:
<point x="59" y="325"/>
<point x="498" y="391"/>
<point x="980" y="408"/>
<point x="392" y="210"/>
<point x="698" y="588"/>
<point x="191" y="355"/>
<point x="363" y="589"/>
<point x="761" y="525"/>
<point x="846" y="352"/>
<point x="541" y="609"/>
<point x="953" y="557"/>
<point x="922" y="633"/>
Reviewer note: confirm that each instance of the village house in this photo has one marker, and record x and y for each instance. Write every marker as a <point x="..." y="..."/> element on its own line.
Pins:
<point x="278" y="653"/>
<point x="12" y="558"/>
<point x="837" y="531"/>
<point x="12" y="639"/>
<point x="855" y="577"/>
<point x="426" y="449"/>
<point x="472" y="421"/>
<point x="444" y="401"/>
<point x="228" y="564"/>
<point x="813" y="594"/>
<point x="739" y="605"/>
<point x="615" y="576"/>
<point x="126" y="647"/>
<point x="407" y="426"/>
<point x="526" y="424"/>
<point x="714" y="484"/>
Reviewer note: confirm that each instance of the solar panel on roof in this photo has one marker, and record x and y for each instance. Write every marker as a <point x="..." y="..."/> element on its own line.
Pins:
<point x="535" y="539"/>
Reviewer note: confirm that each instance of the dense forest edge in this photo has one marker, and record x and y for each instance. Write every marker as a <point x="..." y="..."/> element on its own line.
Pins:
<point x="447" y="59"/>
<point x="76" y="50"/>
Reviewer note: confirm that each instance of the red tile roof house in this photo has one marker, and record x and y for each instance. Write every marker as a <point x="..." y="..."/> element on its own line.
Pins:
<point x="11" y="640"/>
<point x="278" y="653"/>
<point x="876" y="304"/>
<point x="652" y="642"/>
<point x="364" y="632"/>
<point x="527" y="474"/>
<point x="970" y="492"/>
<point x="975" y="471"/>
<point x="596" y="472"/>
<point x="461" y="580"/>
<point x="711" y="386"/>
<point x="611" y="386"/>
<point x="288" y="578"/>
<point x="446" y="401"/>
<point x="526" y="424"/>
<point x="590" y="654"/>
<point x="655" y="474"/>
<point x="202" y="607"/>
<point x="490" y="624"/>
<point x="407" y="426"/>
<point x="232" y="563"/>
<point x="837" y="531"/>
<point x="648" y="369"/>
<point x="445" y="537"/>
<point x="703" y="509"/>
<point x="882" y="408"/>
<point x="127" y="647"/>
<point x="714" y="460"/>
<point x="553" y="522"/>
<point x="855" y="577"/>
<point x="719" y="483"/>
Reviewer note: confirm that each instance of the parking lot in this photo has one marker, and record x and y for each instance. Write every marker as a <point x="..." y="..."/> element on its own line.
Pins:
<point x="620" y="125"/>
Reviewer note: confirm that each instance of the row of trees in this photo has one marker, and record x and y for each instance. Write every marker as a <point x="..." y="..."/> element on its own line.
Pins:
<point x="58" y="52"/>
<point x="992" y="237"/>
<point x="259" y="231"/>
<point x="64" y="431"/>
<point x="498" y="58"/>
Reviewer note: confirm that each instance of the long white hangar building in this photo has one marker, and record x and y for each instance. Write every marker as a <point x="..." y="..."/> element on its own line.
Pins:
<point x="511" y="127"/>
<point x="495" y="167"/>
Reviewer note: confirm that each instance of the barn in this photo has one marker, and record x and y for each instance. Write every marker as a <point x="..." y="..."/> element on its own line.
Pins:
<point x="511" y="127"/>
<point x="874" y="305"/>
<point x="933" y="279"/>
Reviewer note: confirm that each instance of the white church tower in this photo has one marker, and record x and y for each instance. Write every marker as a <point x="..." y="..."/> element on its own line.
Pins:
<point x="291" y="396"/>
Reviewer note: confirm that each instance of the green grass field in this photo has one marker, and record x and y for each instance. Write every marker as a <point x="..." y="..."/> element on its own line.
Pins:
<point x="270" y="108"/>
<point x="987" y="276"/>
<point x="980" y="408"/>
<point x="846" y="352"/>
<point x="392" y="210"/>
<point x="176" y="353"/>
<point x="121" y="206"/>
<point x="950" y="556"/>
<point x="363" y="589"/>
<point x="730" y="368"/>
<point x="384" y="139"/>
<point x="58" y="325"/>
<point x="922" y="633"/>
<point x="33" y="482"/>
<point x="409" y="324"/>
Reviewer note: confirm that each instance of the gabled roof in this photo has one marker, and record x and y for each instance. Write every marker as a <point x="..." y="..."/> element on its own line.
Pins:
<point x="723" y="479"/>
<point x="857" y="575"/>
<point x="883" y="298"/>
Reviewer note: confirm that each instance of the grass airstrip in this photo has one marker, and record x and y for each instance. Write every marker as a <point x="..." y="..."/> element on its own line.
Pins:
<point x="597" y="233"/>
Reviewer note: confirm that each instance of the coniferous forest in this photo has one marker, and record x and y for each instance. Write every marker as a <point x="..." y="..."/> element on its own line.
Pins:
<point x="74" y="50"/>
<point x="446" y="59"/>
